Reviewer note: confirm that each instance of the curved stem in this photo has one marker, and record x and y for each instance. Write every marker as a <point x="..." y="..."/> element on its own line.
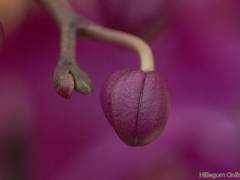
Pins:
<point x="105" y="34"/>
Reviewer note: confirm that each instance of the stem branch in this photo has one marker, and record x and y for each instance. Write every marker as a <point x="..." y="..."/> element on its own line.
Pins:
<point x="67" y="73"/>
<point x="122" y="38"/>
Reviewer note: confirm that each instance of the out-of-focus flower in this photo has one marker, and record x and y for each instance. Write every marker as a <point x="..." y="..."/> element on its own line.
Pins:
<point x="12" y="13"/>
<point x="127" y="15"/>
<point x="198" y="56"/>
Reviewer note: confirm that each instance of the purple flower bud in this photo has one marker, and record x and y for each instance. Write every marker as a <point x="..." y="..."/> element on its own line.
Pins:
<point x="136" y="105"/>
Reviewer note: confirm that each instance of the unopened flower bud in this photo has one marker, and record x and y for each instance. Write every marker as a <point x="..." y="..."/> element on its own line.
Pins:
<point x="67" y="76"/>
<point x="136" y="105"/>
<point x="63" y="82"/>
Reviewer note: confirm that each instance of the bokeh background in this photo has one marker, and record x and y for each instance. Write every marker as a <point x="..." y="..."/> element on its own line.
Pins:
<point x="196" y="45"/>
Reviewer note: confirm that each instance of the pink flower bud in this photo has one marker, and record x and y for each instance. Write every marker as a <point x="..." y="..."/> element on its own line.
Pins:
<point x="136" y="105"/>
<point x="63" y="81"/>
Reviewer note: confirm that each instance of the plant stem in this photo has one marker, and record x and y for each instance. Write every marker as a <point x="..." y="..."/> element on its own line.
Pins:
<point x="67" y="18"/>
<point x="67" y="21"/>
<point x="67" y="73"/>
<point x="105" y="34"/>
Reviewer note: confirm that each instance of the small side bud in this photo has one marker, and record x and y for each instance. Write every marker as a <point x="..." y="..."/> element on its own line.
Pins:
<point x="63" y="82"/>
<point x="67" y="86"/>
<point x="68" y="76"/>
<point x="83" y="82"/>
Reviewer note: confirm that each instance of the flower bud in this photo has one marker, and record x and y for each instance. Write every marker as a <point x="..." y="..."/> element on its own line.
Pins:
<point x="63" y="81"/>
<point x="136" y="105"/>
<point x="67" y="76"/>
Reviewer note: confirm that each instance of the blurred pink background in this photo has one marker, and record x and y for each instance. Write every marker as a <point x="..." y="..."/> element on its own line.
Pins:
<point x="196" y="45"/>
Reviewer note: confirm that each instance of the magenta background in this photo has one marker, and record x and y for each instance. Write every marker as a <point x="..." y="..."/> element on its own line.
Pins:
<point x="197" y="53"/>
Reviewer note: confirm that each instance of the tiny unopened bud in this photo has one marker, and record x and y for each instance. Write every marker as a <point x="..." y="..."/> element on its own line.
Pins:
<point x="67" y="86"/>
<point x="68" y="76"/>
<point x="63" y="82"/>
<point x="136" y="105"/>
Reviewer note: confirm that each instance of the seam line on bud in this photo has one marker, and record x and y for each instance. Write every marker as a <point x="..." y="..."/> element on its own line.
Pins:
<point x="139" y="107"/>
